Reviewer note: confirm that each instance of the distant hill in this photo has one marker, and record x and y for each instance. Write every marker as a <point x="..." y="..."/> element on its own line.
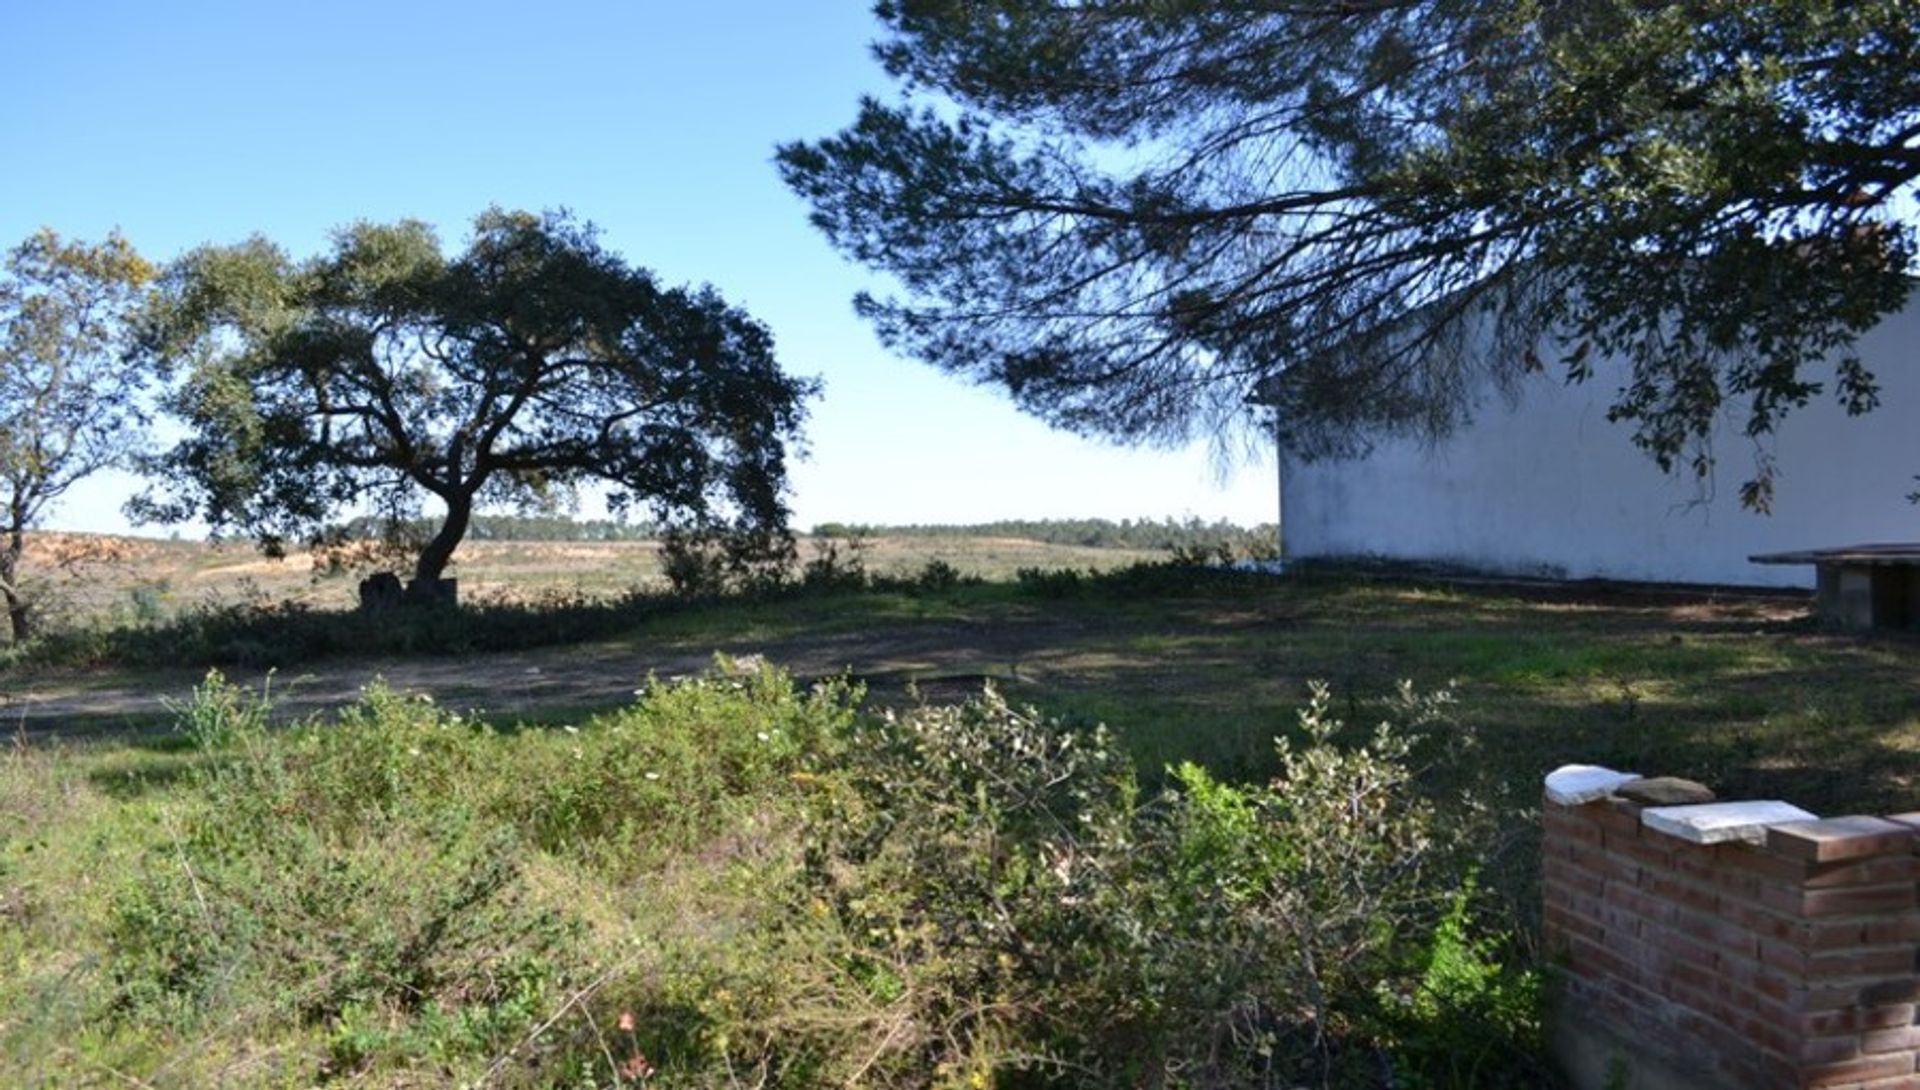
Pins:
<point x="1086" y="533"/>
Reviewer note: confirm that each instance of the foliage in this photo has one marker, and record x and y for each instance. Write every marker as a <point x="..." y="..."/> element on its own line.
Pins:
<point x="334" y="878"/>
<point x="665" y="774"/>
<point x="512" y="373"/>
<point x="704" y="563"/>
<point x="262" y="632"/>
<point x="69" y="402"/>
<point x="1137" y="217"/>
<point x="1469" y="1014"/>
<point x="1051" y="582"/>
<point x="832" y="569"/>
<point x="739" y="882"/>
<point x="1198" y="570"/>
<point x="1031" y="920"/>
<point x="937" y="576"/>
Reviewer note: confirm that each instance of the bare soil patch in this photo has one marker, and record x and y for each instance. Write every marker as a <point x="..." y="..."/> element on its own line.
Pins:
<point x="896" y="661"/>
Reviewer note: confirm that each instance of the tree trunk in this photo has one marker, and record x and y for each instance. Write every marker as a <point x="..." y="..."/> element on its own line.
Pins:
<point x="435" y="557"/>
<point x="19" y="615"/>
<point x="19" y="612"/>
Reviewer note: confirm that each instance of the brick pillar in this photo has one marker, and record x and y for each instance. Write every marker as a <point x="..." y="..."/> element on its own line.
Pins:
<point x="1703" y="950"/>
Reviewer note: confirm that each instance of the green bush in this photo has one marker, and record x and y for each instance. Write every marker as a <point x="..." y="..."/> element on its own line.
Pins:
<point x="1187" y="571"/>
<point x="336" y="872"/>
<point x="937" y="576"/>
<point x="660" y="776"/>
<point x="1472" y="1017"/>
<point x="1036" y="922"/>
<point x="1051" y="582"/>
<point x="262" y="634"/>
<point x="837" y="565"/>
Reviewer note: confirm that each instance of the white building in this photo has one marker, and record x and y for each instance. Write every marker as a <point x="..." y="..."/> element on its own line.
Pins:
<point x="1548" y="486"/>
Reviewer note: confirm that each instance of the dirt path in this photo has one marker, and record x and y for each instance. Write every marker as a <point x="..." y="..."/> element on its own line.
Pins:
<point x="942" y="659"/>
<point x="1215" y="646"/>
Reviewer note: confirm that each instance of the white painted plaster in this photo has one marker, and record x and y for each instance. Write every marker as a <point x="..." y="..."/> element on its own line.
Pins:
<point x="1550" y="487"/>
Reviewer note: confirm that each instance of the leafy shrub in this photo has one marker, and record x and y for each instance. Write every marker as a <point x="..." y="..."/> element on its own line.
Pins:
<point x="1473" y="1017"/>
<point x="1030" y="917"/>
<point x="332" y="870"/>
<point x="832" y="570"/>
<point x="661" y="774"/>
<point x="1050" y="582"/>
<point x="265" y="634"/>
<point x="799" y="894"/>
<point x="1186" y="572"/>
<point x="701" y="563"/>
<point x="148" y="601"/>
<point x="1200" y="554"/>
<point x="1163" y="533"/>
<point x="937" y="576"/>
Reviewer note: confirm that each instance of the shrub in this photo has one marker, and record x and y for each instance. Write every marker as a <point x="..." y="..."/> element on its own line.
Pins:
<point x="662" y="774"/>
<point x="785" y="891"/>
<point x="1050" y="582"/>
<point x="1473" y="1015"/>
<point x="1200" y="555"/>
<point x="707" y="563"/>
<point x="1011" y="895"/>
<point x="268" y="634"/>
<point x="832" y="570"/>
<point x="937" y="576"/>
<point x="336" y="872"/>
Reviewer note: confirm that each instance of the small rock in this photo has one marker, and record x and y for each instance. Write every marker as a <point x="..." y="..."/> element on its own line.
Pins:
<point x="1664" y="791"/>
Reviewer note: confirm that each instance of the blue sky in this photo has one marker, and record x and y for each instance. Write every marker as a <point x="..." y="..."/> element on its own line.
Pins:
<point x="194" y="122"/>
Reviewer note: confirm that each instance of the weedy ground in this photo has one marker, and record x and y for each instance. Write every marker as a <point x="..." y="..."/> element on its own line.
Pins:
<point x="1743" y="692"/>
<point x="743" y="879"/>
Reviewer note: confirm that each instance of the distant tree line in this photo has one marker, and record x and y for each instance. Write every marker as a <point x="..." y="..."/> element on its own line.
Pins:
<point x="1143" y="533"/>
<point x="510" y="528"/>
<point x="1166" y="533"/>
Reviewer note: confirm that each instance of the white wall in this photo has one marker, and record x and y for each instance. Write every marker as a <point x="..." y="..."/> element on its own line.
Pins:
<point x="1550" y="487"/>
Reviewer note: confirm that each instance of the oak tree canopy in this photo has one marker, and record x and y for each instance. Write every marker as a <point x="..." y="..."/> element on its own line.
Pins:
<point x="529" y="364"/>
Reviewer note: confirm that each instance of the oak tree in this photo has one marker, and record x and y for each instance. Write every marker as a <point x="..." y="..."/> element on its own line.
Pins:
<point x="531" y="363"/>
<point x="1136" y="215"/>
<point x="70" y="401"/>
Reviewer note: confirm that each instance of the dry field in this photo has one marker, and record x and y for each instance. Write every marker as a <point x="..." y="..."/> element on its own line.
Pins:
<point x="111" y="580"/>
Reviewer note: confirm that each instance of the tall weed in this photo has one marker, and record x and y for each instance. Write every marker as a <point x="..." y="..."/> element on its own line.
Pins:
<point x="667" y="772"/>
<point x="331" y="871"/>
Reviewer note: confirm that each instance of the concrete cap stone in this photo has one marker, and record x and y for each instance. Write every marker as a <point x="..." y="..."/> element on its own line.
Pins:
<point x="1840" y="838"/>
<point x="1577" y="785"/>
<point x="1720" y="822"/>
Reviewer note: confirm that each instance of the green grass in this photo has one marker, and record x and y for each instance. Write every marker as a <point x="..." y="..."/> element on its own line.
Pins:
<point x="1744" y="694"/>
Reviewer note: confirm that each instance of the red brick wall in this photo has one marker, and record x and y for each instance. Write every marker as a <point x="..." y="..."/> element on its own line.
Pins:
<point x="1790" y="963"/>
